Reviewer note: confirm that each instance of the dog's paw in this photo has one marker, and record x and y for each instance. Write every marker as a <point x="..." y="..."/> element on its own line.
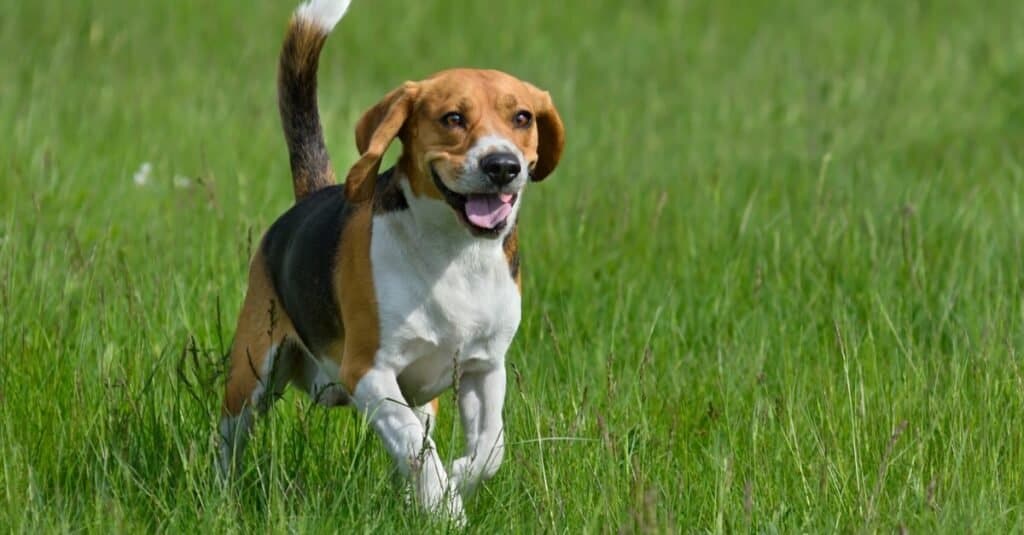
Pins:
<point x="467" y="473"/>
<point x="435" y="493"/>
<point x="447" y="508"/>
<point x="459" y="475"/>
<point x="454" y="512"/>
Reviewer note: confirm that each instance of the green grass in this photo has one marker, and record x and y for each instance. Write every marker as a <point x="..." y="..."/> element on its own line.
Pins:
<point x="775" y="285"/>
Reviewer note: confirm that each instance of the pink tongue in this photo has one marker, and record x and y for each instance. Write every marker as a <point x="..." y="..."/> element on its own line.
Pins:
<point x="488" y="211"/>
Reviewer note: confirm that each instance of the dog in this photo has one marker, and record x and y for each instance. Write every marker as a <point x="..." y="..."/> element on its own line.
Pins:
<point x="383" y="292"/>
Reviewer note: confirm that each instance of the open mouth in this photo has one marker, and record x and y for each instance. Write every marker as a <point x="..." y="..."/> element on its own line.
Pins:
<point x="486" y="214"/>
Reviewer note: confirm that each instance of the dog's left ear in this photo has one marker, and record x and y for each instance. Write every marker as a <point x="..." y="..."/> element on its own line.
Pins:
<point x="550" y="135"/>
<point x="375" y="131"/>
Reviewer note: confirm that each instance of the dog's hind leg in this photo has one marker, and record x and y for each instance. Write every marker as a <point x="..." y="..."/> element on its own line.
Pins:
<point x="262" y="362"/>
<point x="318" y="377"/>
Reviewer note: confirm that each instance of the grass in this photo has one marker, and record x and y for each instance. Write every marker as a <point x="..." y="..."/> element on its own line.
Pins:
<point x="775" y="286"/>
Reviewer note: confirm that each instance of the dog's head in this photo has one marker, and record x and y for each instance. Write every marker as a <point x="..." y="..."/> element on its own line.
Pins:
<point x="470" y="138"/>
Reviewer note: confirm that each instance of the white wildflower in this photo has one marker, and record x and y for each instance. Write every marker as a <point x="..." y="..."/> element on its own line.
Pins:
<point x="182" y="182"/>
<point x="141" y="177"/>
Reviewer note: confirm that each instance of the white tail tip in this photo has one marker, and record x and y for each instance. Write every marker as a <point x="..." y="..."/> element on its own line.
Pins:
<point x="323" y="13"/>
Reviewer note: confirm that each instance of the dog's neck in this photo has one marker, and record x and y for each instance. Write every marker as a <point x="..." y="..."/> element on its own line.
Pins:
<point x="435" y="217"/>
<point x="430" y="231"/>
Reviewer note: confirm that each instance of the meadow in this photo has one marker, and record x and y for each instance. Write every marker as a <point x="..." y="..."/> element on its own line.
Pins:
<point x="776" y="284"/>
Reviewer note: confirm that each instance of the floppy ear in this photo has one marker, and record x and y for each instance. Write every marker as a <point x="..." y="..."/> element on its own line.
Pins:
<point x="550" y="136"/>
<point x="375" y="131"/>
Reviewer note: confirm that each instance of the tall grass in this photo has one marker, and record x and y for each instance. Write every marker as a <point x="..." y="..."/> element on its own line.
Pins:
<point x="775" y="285"/>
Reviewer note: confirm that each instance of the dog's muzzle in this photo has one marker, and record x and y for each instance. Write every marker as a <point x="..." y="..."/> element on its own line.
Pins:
<point x="485" y="214"/>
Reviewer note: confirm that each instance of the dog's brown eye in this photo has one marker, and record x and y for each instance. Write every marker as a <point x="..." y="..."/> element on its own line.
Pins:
<point x="522" y="119"/>
<point x="454" y="119"/>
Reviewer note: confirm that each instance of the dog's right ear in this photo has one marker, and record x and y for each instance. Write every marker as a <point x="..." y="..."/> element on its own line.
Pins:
<point x="375" y="131"/>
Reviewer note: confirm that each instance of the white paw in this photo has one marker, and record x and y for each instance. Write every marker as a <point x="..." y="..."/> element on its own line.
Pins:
<point x="453" y="510"/>
<point x="436" y="495"/>
<point x="459" y="476"/>
<point x="446" y="507"/>
<point x="467" y="474"/>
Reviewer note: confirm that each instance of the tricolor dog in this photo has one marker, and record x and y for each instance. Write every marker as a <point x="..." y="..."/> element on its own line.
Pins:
<point x="384" y="291"/>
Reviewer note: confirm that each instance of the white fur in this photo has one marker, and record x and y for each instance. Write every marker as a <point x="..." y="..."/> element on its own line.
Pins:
<point x="448" y="308"/>
<point x="481" y="397"/>
<point x="445" y="298"/>
<point x="472" y="180"/>
<point x="325" y="14"/>
<point x="379" y="397"/>
<point x="234" y="434"/>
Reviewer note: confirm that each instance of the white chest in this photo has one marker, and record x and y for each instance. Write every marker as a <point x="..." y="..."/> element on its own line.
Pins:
<point x="443" y="305"/>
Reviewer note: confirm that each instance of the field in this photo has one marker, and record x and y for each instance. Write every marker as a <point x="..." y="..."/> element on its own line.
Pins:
<point x="776" y="285"/>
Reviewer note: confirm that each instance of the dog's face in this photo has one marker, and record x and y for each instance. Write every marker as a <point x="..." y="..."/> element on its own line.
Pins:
<point x="471" y="138"/>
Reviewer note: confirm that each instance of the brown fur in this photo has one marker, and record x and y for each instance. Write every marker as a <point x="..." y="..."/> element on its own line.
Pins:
<point x="262" y="324"/>
<point x="355" y="292"/>
<point x="412" y="112"/>
<point x="511" y="248"/>
<point x="300" y="118"/>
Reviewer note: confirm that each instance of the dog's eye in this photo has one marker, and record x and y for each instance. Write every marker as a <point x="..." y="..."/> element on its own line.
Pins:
<point x="454" y="119"/>
<point x="522" y="119"/>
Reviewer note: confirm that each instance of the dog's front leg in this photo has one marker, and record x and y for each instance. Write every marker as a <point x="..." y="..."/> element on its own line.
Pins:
<point x="377" y="395"/>
<point x="481" y="400"/>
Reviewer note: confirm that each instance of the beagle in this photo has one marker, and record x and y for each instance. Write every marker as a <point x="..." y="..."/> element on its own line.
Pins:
<point x="386" y="290"/>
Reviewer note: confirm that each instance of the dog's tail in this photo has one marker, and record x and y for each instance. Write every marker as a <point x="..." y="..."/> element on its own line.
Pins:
<point x="296" y="93"/>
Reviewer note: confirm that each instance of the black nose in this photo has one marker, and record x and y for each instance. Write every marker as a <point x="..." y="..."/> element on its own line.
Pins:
<point x="500" y="167"/>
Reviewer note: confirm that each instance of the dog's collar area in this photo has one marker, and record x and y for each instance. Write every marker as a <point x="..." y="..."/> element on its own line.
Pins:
<point x="458" y="201"/>
<point x="389" y="196"/>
